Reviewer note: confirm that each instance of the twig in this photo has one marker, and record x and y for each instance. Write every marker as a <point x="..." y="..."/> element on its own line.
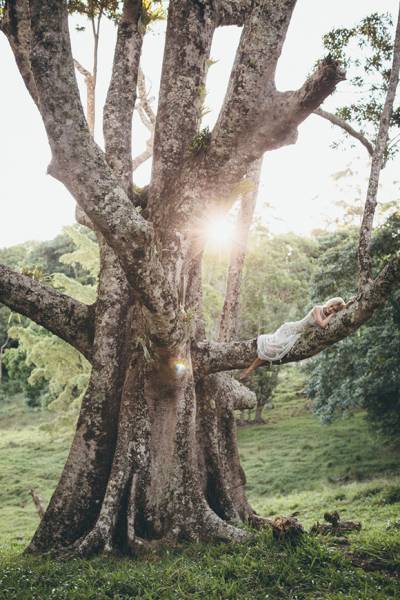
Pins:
<point x="335" y="120"/>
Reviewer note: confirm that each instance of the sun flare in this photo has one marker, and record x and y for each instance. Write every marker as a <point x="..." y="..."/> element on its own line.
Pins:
<point x="218" y="232"/>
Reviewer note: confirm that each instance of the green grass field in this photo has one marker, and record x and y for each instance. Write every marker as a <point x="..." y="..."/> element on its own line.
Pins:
<point x="293" y="464"/>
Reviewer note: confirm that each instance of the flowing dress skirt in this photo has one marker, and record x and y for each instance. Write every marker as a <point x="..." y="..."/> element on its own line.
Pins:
<point x="274" y="346"/>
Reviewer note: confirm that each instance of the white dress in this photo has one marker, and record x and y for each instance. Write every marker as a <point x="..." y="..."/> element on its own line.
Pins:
<point x="274" y="346"/>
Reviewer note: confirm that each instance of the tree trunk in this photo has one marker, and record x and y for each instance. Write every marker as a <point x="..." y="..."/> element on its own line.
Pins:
<point x="258" y="416"/>
<point x="155" y="456"/>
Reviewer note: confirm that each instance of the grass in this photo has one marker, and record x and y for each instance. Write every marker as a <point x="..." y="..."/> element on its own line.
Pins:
<point x="29" y="458"/>
<point x="293" y="465"/>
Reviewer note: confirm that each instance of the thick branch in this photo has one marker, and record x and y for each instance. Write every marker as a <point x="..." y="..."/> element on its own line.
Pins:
<point x="267" y="125"/>
<point x="232" y="12"/>
<point x="121" y="96"/>
<point x="190" y="27"/>
<point x="67" y="318"/>
<point x="252" y="83"/>
<point x="378" y="158"/>
<point x="315" y="89"/>
<point x="335" y="120"/>
<point x="17" y="28"/>
<point x="81" y="165"/>
<point x="211" y="357"/>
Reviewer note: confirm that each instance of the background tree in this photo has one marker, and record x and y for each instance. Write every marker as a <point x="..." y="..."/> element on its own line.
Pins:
<point x="154" y="456"/>
<point x="361" y="371"/>
<point x="369" y="73"/>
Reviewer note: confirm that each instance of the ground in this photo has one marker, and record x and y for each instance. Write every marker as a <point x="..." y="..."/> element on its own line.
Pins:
<point x="293" y="464"/>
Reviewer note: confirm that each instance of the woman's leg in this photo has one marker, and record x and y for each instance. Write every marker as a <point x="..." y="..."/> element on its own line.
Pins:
<point x="256" y="363"/>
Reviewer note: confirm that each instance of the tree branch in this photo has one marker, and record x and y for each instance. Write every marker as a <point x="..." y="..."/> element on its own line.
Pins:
<point x="144" y="99"/>
<point x="90" y="94"/>
<point x="251" y="85"/>
<point x="121" y="96"/>
<point x="335" y="120"/>
<point x="143" y="156"/>
<point x="228" y="327"/>
<point x="67" y="318"/>
<point x="86" y="74"/>
<point x="378" y="158"/>
<point x="190" y="25"/>
<point x="148" y="119"/>
<point x="248" y="128"/>
<point x="81" y="166"/>
<point x="212" y="357"/>
<point x="17" y="28"/>
<point x="232" y="12"/>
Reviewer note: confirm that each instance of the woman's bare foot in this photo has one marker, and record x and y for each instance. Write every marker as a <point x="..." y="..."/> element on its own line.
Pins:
<point x="244" y="374"/>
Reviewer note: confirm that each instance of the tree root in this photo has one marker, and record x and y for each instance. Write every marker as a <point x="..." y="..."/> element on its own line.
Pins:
<point x="334" y="525"/>
<point x="286" y="529"/>
<point x="258" y="522"/>
<point x="219" y="530"/>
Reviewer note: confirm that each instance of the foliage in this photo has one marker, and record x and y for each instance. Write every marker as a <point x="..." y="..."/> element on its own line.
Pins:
<point x="276" y="279"/>
<point x="14" y="257"/>
<point x="64" y="369"/>
<point x="362" y="370"/>
<point x="94" y="8"/>
<point x="85" y="255"/>
<point x="18" y="375"/>
<point x="51" y="366"/>
<point x="201" y="141"/>
<point x="372" y="40"/>
<point x="152" y="11"/>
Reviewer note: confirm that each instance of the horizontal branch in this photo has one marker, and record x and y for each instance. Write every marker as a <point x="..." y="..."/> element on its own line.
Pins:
<point x="212" y="357"/>
<point x="335" y="120"/>
<point x="67" y="318"/>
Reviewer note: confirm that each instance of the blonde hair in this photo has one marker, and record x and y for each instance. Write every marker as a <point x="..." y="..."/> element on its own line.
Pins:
<point x="334" y="301"/>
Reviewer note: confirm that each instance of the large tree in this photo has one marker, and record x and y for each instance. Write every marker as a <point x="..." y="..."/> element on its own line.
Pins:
<point x="154" y="455"/>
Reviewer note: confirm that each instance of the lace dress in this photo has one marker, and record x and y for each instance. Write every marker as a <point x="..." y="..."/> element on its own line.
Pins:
<point x="274" y="346"/>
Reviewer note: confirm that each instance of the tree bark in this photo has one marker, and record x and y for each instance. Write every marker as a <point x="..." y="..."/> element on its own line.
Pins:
<point x="67" y="318"/>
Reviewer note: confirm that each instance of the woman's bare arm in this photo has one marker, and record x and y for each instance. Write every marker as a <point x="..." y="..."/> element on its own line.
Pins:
<point x="320" y="319"/>
<point x="351" y="301"/>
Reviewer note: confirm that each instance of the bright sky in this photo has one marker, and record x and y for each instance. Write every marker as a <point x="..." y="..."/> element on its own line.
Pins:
<point x="296" y="181"/>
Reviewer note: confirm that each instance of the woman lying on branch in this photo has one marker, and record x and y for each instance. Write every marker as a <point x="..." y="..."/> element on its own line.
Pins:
<point x="272" y="347"/>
